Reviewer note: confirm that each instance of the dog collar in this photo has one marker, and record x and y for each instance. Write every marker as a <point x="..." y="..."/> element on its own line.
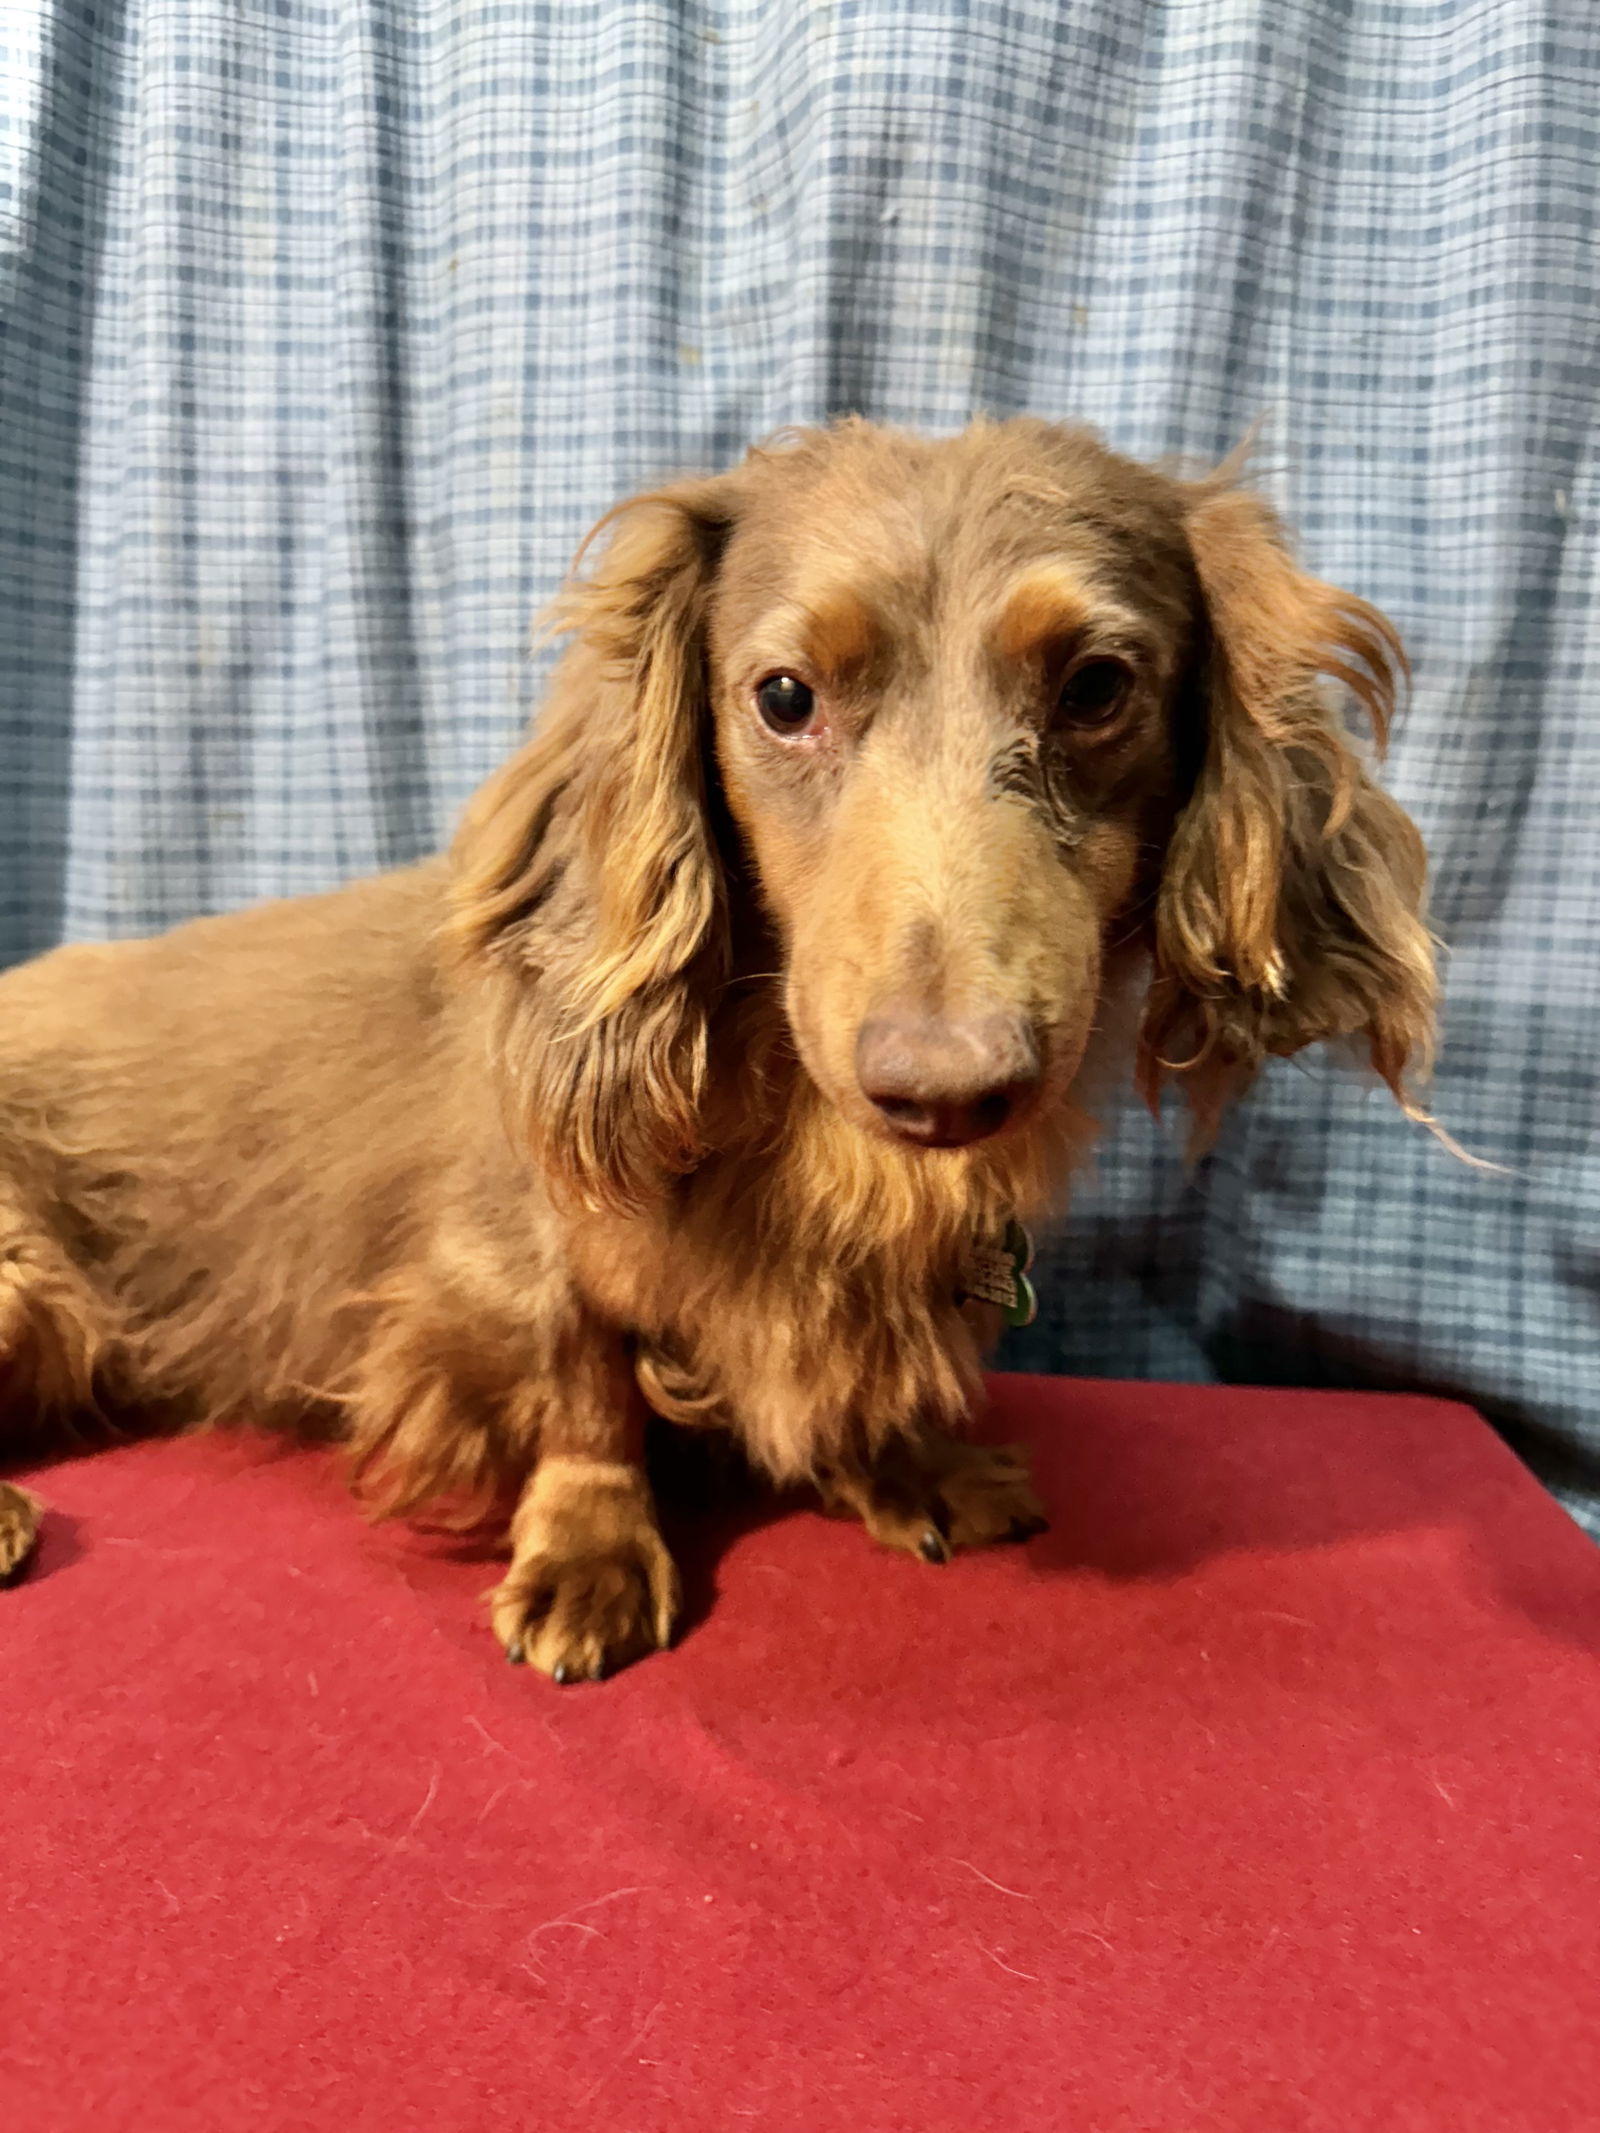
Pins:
<point x="996" y="1272"/>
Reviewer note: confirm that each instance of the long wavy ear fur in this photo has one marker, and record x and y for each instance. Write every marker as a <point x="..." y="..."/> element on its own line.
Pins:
<point x="588" y="889"/>
<point x="1291" y="899"/>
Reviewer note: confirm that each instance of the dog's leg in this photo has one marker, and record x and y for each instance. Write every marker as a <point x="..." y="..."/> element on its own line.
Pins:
<point x="591" y="1585"/>
<point x="51" y="1339"/>
<point x="932" y="1493"/>
<point x="19" y="1528"/>
<point x="462" y="1393"/>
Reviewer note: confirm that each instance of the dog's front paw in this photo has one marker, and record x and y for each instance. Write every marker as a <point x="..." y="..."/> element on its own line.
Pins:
<point x="19" y="1528"/>
<point x="935" y="1494"/>
<point x="591" y="1585"/>
<point x="983" y="1493"/>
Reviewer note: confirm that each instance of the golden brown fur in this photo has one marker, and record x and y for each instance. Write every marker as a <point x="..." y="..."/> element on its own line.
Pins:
<point x="481" y="1159"/>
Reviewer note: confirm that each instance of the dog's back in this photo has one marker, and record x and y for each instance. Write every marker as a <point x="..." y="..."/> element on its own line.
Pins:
<point x="204" y="1144"/>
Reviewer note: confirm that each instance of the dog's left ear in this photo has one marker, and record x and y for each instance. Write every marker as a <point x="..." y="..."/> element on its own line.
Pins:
<point x="1290" y="905"/>
<point x="588" y="886"/>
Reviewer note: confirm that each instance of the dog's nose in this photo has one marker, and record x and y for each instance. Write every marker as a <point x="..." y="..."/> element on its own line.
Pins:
<point x="943" y="1082"/>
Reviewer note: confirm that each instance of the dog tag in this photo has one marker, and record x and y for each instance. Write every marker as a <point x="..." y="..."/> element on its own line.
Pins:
<point x="997" y="1273"/>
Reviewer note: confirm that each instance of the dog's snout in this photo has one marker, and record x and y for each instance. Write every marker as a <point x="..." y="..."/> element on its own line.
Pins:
<point x="943" y="1082"/>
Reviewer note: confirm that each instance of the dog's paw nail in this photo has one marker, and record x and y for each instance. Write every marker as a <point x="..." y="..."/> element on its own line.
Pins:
<point x="514" y="1652"/>
<point x="561" y="1674"/>
<point x="932" y="1547"/>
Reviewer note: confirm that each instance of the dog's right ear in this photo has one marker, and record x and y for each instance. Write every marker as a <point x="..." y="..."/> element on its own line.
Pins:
<point x="1290" y="908"/>
<point x="587" y="884"/>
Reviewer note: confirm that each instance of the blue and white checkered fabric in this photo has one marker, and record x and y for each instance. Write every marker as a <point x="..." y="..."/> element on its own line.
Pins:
<point x="329" y="324"/>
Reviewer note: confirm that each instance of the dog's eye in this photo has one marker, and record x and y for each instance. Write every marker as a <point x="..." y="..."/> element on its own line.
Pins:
<point x="786" y="704"/>
<point x="1092" y="693"/>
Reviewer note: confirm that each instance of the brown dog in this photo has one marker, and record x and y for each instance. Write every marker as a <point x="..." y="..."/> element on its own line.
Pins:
<point x="887" y="789"/>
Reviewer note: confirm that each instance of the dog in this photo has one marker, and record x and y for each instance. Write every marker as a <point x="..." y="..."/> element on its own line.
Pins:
<point x="890" y="794"/>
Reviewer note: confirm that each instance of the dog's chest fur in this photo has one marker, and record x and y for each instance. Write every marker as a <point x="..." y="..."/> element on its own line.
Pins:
<point x="801" y="1340"/>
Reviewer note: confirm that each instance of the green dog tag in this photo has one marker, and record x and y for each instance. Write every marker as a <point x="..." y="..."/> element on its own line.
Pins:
<point x="1024" y="1305"/>
<point x="998" y="1274"/>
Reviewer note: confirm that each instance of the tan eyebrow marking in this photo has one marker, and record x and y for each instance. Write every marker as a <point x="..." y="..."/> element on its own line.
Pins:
<point x="840" y="632"/>
<point x="1043" y="612"/>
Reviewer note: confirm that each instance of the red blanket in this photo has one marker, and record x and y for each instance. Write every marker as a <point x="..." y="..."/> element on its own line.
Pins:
<point x="1263" y="1791"/>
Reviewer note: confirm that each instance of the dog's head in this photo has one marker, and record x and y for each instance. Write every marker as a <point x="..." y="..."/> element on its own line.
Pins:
<point x="940" y="734"/>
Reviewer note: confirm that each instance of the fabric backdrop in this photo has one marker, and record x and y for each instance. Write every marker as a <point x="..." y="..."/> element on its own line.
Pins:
<point x="328" y="327"/>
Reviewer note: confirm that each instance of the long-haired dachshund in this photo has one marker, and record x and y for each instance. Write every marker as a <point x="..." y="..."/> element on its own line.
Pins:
<point x="887" y="791"/>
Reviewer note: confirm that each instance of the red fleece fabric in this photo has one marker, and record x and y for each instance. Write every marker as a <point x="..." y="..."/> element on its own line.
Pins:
<point x="1261" y="1792"/>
